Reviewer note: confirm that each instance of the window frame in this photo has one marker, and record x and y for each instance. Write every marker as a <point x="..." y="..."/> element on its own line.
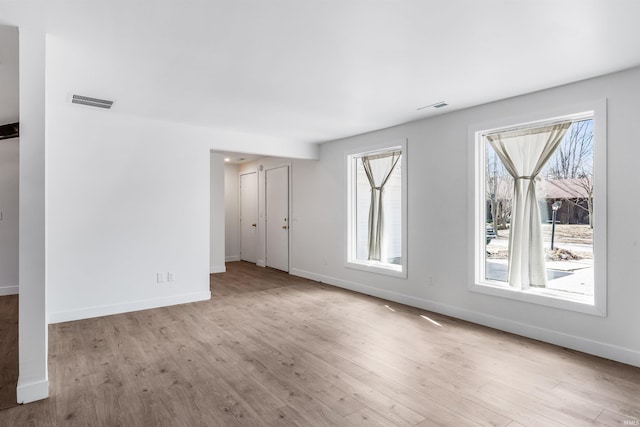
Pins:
<point x="350" y="258"/>
<point x="596" y="305"/>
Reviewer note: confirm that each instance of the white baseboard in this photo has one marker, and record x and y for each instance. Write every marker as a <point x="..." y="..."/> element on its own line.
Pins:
<point x="261" y="263"/>
<point x="217" y="269"/>
<point x="32" y="391"/>
<point x="106" y="310"/>
<point x="232" y="258"/>
<point x="608" y="351"/>
<point x="9" y="290"/>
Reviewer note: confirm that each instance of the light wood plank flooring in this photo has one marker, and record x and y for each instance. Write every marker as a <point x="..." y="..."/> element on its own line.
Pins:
<point x="271" y="349"/>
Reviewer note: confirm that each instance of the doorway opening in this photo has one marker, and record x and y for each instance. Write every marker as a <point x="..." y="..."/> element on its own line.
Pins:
<point x="257" y="209"/>
<point x="9" y="212"/>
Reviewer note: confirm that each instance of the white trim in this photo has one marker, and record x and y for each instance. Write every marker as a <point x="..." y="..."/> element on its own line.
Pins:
<point x="386" y="269"/>
<point x="232" y="258"/>
<point x="32" y="391"/>
<point x="9" y="290"/>
<point x="596" y="348"/>
<point x="349" y="233"/>
<point x="217" y="269"/>
<point x="546" y="297"/>
<point x="261" y="263"/>
<point x="597" y="305"/>
<point x="106" y="310"/>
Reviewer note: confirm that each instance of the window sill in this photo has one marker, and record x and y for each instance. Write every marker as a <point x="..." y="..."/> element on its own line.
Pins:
<point x="378" y="268"/>
<point x="546" y="297"/>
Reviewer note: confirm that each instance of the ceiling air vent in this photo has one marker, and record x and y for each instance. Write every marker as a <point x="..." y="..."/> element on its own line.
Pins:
<point x="438" y="104"/>
<point x="92" y="102"/>
<point x="9" y="131"/>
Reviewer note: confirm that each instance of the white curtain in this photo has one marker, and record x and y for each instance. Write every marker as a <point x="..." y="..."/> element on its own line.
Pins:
<point x="524" y="153"/>
<point x="378" y="168"/>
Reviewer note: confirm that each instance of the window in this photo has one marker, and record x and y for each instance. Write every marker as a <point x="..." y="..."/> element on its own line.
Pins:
<point x="376" y="200"/>
<point x="539" y="215"/>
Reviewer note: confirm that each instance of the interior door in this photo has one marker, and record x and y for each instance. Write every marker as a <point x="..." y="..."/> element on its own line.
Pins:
<point x="277" y="218"/>
<point x="249" y="216"/>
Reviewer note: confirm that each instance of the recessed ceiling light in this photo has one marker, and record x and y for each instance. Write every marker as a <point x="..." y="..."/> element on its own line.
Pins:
<point x="438" y="104"/>
<point x="226" y="159"/>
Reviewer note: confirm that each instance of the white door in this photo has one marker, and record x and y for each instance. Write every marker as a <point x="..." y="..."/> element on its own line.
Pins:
<point x="248" y="216"/>
<point x="277" y="218"/>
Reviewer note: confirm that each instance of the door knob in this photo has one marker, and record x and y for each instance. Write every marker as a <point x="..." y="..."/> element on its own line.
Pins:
<point x="253" y="225"/>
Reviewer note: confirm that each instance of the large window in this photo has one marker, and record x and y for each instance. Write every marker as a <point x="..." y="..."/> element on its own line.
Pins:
<point x="539" y="217"/>
<point x="376" y="200"/>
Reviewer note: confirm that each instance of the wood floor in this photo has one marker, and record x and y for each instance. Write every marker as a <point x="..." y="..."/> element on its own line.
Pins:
<point x="8" y="351"/>
<point x="271" y="349"/>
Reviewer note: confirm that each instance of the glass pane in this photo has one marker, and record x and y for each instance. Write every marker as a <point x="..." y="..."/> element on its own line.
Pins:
<point x="392" y="206"/>
<point x="392" y="215"/>
<point x="363" y="200"/>
<point x="565" y="197"/>
<point x="566" y="207"/>
<point x="498" y="196"/>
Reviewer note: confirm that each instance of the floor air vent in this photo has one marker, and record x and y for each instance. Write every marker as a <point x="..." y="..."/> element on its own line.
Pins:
<point x="93" y="102"/>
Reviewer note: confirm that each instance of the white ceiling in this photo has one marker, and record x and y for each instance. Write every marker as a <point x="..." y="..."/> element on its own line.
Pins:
<point x="317" y="70"/>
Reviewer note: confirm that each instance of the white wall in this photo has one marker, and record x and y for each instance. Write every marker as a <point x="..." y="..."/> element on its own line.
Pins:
<point x="9" y="211"/>
<point x="232" y="213"/>
<point x="217" y="214"/>
<point x="33" y="382"/>
<point x="126" y="199"/>
<point x="438" y="196"/>
<point x="9" y="70"/>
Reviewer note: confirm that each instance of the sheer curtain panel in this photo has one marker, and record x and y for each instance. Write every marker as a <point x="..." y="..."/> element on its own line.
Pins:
<point x="524" y="153"/>
<point x="378" y="168"/>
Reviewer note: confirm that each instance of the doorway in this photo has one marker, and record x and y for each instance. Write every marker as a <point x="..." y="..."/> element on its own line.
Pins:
<point x="9" y="214"/>
<point x="257" y="204"/>
<point x="249" y="217"/>
<point x="277" y="218"/>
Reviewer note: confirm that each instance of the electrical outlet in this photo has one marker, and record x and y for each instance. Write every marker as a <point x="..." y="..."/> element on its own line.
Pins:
<point x="170" y="276"/>
<point x="160" y="277"/>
